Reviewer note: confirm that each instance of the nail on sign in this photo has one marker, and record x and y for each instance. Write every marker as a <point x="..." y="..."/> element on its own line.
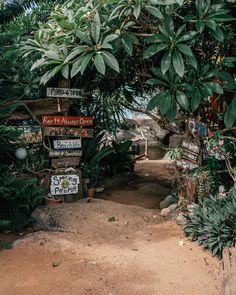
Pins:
<point x="67" y="144"/>
<point x="64" y="184"/>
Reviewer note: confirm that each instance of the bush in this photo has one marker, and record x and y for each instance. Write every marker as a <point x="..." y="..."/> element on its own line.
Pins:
<point x="213" y="225"/>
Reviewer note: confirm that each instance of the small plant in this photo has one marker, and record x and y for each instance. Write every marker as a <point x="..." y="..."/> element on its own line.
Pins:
<point x="213" y="225"/>
<point x="175" y="153"/>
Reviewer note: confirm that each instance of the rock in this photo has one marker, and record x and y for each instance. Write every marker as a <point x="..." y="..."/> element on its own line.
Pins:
<point x="165" y="212"/>
<point x="173" y="207"/>
<point x="152" y="189"/>
<point x="46" y="219"/>
<point x="180" y="218"/>
<point x="55" y="263"/>
<point x="176" y="140"/>
<point x="167" y="157"/>
<point x="169" y="200"/>
<point x="112" y="219"/>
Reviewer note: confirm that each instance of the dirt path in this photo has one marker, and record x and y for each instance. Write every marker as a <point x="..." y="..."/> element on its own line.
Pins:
<point x="108" y="249"/>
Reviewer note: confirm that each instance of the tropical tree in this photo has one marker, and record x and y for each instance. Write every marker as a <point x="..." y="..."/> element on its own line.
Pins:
<point x="178" y="50"/>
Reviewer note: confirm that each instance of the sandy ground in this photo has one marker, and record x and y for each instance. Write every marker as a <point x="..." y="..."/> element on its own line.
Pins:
<point x="109" y="248"/>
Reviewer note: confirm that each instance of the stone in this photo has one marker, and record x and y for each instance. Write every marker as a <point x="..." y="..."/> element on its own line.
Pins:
<point x="173" y="207"/>
<point x="176" y="140"/>
<point x="180" y="218"/>
<point x="152" y="189"/>
<point x="112" y="219"/>
<point x="165" y="212"/>
<point x="169" y="200"/>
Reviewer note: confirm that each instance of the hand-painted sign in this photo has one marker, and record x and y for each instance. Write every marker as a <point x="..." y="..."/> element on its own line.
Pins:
<point x="67" y="144"/>
<point x="64" y="184"/>
<point x="58" y="154"/>
<point x="67" y="131"/>
<point x="186" y="164"/>
<point x="66" y="162"/>
<point x="66" y="121"/>
<point x="30" y="133"/>
<point x="191" y="151"/>
<point x="64" y="92"/>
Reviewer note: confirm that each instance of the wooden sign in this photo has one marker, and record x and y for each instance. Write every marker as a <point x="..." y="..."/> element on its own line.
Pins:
<point x="66" y="121"/>
<point x="191" y="146"/>
<point x="186" y="164"/>
<point x="30" y="133"/>
<point x="66" y="162"/>
<point x="64" y="184"/>
<point x="64" y="92"/>
<point x="188" y="155"/>
<point x="67" y="131"/>
<point x="67" y="144"/>
<point x="58" y="154"/>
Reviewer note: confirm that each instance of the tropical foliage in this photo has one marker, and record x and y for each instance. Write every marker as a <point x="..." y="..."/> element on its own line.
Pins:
<point x="182" y="47"/>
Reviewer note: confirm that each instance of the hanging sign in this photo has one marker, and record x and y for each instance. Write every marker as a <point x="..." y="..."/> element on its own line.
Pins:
<point x="67" y="144"/>
<point x="64" y="92"/>
<point x="66" y="121"/>
<point x="64" y="184"/>
<point x="58" y="154"/>
<point x="191" y="151"/>
<point x="67" y="131"/>
<point x="66" y="162"/>
<point x="30" y="133"/>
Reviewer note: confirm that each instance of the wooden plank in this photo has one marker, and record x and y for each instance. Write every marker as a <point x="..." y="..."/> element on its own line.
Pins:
<point x="67" y="144"/>
<point x="64" y="92"/>
<point x="57" y="154"/>
<point x="65" y="162"/>
<point x="189" y="155"/>
<point x="191" y="146"/>
<point x="186" y="164"/>
<point x="64" y="184"/>
<point x="67" y="131"/>
<point x="66" y="121"/>
<point x="39" y="107"/>
<point x="30" y="133"/>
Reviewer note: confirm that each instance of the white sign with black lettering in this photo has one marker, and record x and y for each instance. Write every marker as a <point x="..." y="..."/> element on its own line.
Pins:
<point x="64" y="92"/>
<point x="64" y="184"/>
<point x="67" y="144"/>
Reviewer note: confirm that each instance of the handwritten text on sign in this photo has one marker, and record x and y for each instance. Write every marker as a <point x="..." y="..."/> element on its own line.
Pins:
<point x="67" y="131"/>
<point x="67" y="144"/>
<point x="66" y="121"/>
<point x="64" y="184"/>
<point x="63" y="92"/>
<point x="69" y="153"/>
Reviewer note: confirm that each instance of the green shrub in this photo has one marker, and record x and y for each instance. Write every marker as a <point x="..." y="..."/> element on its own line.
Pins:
<point x="213" y="225"/>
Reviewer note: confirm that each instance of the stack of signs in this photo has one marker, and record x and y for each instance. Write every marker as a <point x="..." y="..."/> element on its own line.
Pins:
<point x="191" y="155"/>
<point x="65" y="133"/>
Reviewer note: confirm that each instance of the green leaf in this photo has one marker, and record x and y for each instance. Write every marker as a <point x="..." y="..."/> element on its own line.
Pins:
<point x="110" y="38"/>
<point x="220" y="18"/>
<point x="230" y="117"/>
<point x="195" y="100"/>
<point x="100" y="64"/>
<point x="200" y="25"/>
<point x="38" y="63"/>
<point x="128" y="44"/>
<point x="154" y="102"/>
<point x="171" y="113"/>
<point x="211" y="24"/>
<point x="51" y="54"/>
<point x="165" y="102"/>
<point x="95" y="28"/>
<point x="216" y="87"/>
<point x="75" y="52"/>
<point x="154" y="11"/>
<point x="156" y="82"/>
<point x="188" y="36"/>
<point x="225" y="76"/>
<point x="186" y="50"/>
<point x="192" y="60"/>
<point x="218" y="34"/>
<point x="154" y="49"/>
<point x="182" y="99"/>
<point x="81" y="64"/>
<point x="111" y="61"/>
<point x="166" y="61"/>
<point x="6" y="111"/>
<point x="65" y="71"/>
<point x="178" y="63"/>
<point x="50" y="74"/>
<point x="137" y="10"/>
<point x="84" y="37"/>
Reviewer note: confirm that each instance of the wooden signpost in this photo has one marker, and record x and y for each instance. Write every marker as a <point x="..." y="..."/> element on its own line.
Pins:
<point x="66" y="121"/>
<point x="30" y="133"/>
<point x="64" y="92"/>
<point x="66" y="162"/>
<point x="64" y="184"/>
<point x="61" y="154"/>
<point x="67" y="144"/>
<point x="68" y="131"/>
<point x="191" y="151"/>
